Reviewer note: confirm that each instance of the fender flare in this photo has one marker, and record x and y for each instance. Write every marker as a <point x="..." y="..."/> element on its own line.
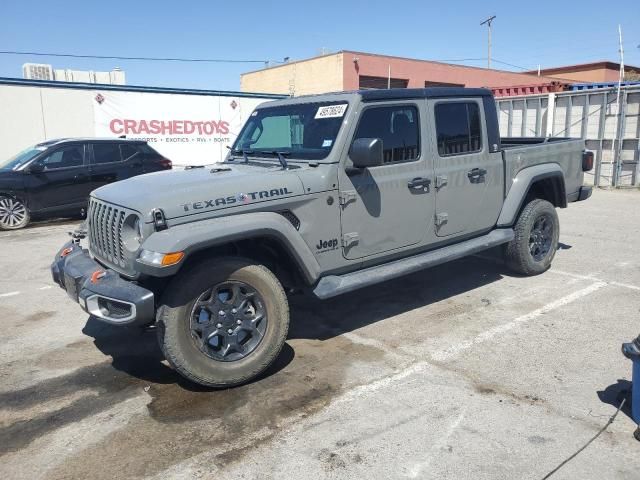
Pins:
<point x="194" y="237"/>
<point x="521" y="186"/>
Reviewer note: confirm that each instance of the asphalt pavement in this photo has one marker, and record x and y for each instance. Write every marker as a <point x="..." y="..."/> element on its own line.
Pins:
<point x="463" y="371"/>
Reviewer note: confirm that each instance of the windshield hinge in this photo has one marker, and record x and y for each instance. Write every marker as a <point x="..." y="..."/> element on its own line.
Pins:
<point x="347" y="197"/>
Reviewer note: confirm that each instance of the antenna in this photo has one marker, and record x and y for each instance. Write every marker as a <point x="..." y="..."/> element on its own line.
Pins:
<point x="488" y="23"/>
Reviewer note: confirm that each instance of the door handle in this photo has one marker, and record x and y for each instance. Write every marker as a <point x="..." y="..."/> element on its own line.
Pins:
<point x="80" y="176"/>
<point x="476" y="174"/>
<point x="419" y="183"/>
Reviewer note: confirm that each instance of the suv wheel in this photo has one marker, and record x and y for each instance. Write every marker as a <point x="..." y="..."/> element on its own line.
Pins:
<point x="536" y="239"/>
<point x="13" y="214"/>
<point x="223" y="322"/>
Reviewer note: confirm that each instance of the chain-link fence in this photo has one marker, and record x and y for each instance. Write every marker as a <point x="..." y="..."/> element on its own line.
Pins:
<point x="612" y="133"/>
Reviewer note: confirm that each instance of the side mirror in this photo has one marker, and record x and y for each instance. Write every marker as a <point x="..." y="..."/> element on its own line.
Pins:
<point x="366" y="152"/>
<point x="35" y="167"/>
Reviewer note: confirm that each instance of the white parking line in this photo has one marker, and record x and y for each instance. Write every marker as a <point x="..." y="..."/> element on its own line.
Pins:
<point x="455" y="350"/>
<point x="594" y="278"/>
<point x="9" y="294"/>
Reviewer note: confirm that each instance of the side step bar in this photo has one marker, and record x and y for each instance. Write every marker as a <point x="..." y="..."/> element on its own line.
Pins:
<point x="333" y="285"/>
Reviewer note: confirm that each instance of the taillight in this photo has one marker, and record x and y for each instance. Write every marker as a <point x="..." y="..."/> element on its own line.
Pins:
<point x="166" y="163"/>
<point x="587" y="161"/>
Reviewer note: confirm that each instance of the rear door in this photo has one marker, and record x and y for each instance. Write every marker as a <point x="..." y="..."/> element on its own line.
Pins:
<point x="468" y="178"/>
<point x="381" y="210"/>
<point x="64" y="181"/>
<point x="112" y="161"/>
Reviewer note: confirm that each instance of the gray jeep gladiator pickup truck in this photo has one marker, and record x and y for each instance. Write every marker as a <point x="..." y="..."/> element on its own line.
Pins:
<point x="327" y="194"/>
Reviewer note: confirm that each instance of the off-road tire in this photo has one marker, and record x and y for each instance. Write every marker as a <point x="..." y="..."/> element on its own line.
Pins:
<point x="25" y="216"/>
<point x="518" y="254"/>
<point x="174" y="317"/>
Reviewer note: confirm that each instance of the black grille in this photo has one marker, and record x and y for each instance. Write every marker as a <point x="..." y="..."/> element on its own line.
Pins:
<point x="105" y="232"/>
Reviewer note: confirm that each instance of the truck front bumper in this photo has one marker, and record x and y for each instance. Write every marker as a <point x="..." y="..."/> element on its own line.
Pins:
<point x="100" y="291"/>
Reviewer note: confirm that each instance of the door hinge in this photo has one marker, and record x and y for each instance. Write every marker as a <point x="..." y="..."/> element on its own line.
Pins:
<point x="441" y="181"/>
<point x="347" y="196"/>
<point x="349" y="239"/>
<point x="441" y="219"/>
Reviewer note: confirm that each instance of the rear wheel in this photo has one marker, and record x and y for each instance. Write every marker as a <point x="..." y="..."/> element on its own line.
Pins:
<point x="13" y="214"/>
<point x="223" y="322"/>
<point x="536" y="239"/>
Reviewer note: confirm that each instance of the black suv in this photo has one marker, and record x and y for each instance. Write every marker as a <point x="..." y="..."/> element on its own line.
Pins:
<point x="54" y="178"/>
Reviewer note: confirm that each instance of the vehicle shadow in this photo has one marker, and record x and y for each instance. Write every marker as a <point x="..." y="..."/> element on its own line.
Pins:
<point x="312" y="318"/>
<point x="136" y="352"/>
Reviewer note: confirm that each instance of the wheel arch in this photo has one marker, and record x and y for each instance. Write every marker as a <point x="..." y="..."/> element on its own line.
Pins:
<point x="266" y="237"/>
<point x="545" y="182"/>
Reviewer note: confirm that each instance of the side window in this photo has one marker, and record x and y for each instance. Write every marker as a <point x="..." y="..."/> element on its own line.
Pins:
<point x="458" y="128"/>
<point x="126" y="151"/>
<point x="397" y="127"/>
<point x="106" y="153"/>
<point x="71" y="156"/>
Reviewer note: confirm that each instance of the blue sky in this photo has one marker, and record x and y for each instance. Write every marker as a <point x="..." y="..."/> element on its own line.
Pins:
<point x="524" y="34"/>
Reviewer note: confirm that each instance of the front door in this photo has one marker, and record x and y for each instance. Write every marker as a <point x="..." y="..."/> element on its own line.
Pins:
<point x="468" y="177"/>
<point x="388" y="207"/>
<point x="63" y="182"/>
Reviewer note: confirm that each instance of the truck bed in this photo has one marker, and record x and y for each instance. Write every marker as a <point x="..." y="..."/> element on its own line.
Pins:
<point x="523" y="152"/>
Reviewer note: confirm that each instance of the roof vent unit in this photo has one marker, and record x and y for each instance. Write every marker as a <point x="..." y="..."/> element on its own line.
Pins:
<point x="37" y="71"/>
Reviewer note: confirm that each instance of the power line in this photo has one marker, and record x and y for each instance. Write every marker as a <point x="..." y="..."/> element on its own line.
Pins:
<point x="510" y="64"/>
<point x="146" y="59"/>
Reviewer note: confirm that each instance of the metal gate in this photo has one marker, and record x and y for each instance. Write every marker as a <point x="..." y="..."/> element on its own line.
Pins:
<point x="613" y="136"/>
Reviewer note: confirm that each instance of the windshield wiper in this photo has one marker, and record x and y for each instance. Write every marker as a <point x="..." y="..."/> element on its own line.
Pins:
<point x="243" y="152"/>
<point x="283" y="161"/>
<point x="275" y="153"/>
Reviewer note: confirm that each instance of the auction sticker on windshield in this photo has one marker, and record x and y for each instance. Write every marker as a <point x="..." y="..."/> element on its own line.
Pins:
<point x="331" y="111"/>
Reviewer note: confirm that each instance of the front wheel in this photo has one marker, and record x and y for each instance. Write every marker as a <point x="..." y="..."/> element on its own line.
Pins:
<point x="536" y="239"/>
<point x="13" y="214"/>
<point x="223" y="322"/>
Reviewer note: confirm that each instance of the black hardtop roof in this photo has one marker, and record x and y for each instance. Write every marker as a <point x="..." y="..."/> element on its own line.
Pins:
<point x="430" y="92"/>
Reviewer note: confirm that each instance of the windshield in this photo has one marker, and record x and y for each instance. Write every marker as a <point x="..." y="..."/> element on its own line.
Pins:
<point x="306" y="131"/>
<point x="21" y="158"/>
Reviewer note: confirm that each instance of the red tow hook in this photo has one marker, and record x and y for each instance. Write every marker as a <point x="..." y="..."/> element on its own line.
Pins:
<point x="66" y="252"/>
<point x="97" y="275"/>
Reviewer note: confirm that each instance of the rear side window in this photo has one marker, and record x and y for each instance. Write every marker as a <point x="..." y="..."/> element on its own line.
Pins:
<point x="146" y="149"/>
<point x="458" y="128"/>
<point x="397" y="127"/>
<point x="128" y="151"/>
<point x="106" y="153"/>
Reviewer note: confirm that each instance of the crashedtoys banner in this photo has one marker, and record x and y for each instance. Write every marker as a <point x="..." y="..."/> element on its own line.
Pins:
<point x="187" y="129"/>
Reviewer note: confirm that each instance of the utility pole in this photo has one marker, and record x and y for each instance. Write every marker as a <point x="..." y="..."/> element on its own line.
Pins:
<point x="488" y="23"/>
<point x="616" y="149"/>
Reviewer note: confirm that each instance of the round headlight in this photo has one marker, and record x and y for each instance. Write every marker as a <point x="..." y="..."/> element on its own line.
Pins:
<point x="132" y="233"/>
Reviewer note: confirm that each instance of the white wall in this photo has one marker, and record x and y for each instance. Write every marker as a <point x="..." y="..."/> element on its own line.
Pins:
<point x="32" y="114"/>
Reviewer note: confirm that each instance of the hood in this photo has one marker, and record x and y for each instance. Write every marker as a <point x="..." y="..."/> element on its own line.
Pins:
<point x="10" y="179"/>
<point x="199" y="190"/>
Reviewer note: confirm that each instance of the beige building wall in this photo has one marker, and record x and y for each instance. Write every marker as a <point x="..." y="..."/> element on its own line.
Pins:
<point x="315" y="75"/>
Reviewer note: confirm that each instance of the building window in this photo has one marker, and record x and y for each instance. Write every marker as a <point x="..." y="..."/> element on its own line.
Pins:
<point x="373" y="83"/>
<point x="398" y="129"/>
<point x="427" y="83"/>
<point x="458" y="128"/>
